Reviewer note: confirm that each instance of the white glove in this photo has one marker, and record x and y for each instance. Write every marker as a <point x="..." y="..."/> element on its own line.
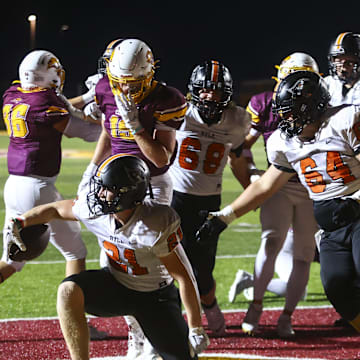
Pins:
<point x="255" y="174"/>
<point x="92" y="110"/>
<point x="90" y="83"/>
<point x="198" y="339"/>
<point x="89" y="96"/>
<point x="129" y="113"/>
<point x="85" y="180"/>
<point x="72" y="109"/>
<point x="12" y="231"/>
<point x="92" y="80"/>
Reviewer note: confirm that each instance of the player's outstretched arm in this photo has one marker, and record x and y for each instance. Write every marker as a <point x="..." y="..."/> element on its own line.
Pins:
<point x="252" y="197"/>
<point x="45" y="213"/>
<point x="180" y="269"/>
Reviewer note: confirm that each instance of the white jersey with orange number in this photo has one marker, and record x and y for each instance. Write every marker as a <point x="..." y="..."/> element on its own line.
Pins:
<point x="133" y="250"/>
<point x="203" y="150"/>
<point x="326" y="166"/>
<point x="338" y="96"/>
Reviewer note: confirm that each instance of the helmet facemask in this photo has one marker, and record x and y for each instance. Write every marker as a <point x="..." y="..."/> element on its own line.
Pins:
<point x="339" y="72"/>
<point x="345" y="49"/>
<point x="132" y="64"/>
<point x="120" y="183"/>
<point x="100" y="202"/>
<point x="209" y="110"/>
<point x="300" y="99"/>
<point x="211" y="76"/>
<point x="137" y="88"/>
<point x="105" y="57"/>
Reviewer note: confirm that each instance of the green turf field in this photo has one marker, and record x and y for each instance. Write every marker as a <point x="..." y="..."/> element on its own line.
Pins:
<point x="32" y="292"/>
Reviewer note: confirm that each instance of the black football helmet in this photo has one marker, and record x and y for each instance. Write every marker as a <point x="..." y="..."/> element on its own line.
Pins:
<point x="36" y="239"/>
<point x="347" y="43"/>
<point x="126" y="176"/>
<point x="299" y="99"/>
<point x="211" y="75"/>
<point x="105" y="57"/>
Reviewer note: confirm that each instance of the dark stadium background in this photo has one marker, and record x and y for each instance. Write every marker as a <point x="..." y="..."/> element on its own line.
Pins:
<point x="249" y="37"/>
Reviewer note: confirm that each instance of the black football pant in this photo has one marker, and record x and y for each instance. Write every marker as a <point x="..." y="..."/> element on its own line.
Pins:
<point x="340" y="256"/>
<point x="158" y="312"/>
<point x="202" y="258"/>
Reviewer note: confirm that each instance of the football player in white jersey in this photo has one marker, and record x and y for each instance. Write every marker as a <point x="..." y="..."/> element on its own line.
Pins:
<point x="344" y="79"/>
<point x="144" y="256"/>
<point x="212" y="134"/>
<point x="321" y="145"/>
<point x="289" y="252"/>
<point x="140" y="116"/>
<point x="344" y="69"/>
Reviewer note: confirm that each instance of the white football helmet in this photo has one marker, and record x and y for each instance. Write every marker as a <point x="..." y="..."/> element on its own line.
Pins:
<point x="295" y="62"/>
<point x="132" y="63"/>
<point x="41" y="68"/>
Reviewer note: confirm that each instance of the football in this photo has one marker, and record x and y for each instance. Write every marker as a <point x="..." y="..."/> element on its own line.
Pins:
<point x="36" y="239"/>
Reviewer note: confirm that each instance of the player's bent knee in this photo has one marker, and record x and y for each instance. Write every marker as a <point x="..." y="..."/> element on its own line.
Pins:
<point x="69" y="295"/>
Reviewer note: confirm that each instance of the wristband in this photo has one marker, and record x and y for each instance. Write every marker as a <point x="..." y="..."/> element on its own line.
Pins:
<point x="19" y="222"/>
<point x="226" y="215"/>
<point x="139" y="130"/>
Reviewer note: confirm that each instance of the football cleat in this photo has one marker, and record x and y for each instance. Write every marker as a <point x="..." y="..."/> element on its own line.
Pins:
<point x="149" y="352"/>
<point x="136" y="340"/>
<point x="216" y="320"/>
<point x="284" y="327"/>
<point x="251" y="321"/>
<point x="249" y="293"/>
<point x="243" y="280"/>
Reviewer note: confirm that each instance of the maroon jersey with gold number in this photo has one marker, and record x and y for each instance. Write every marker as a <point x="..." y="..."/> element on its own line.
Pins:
<point x="35" y="145"/>
<point x="164" y="107"/>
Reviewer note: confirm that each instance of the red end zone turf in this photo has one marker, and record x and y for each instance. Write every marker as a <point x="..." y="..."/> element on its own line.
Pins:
<point x="316" y="338"/>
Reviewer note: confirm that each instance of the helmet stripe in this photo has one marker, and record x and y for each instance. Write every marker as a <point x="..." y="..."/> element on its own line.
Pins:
<point x="339" y="39"/>
<point x="214" y="71"/>
<point x="107" y="161"/>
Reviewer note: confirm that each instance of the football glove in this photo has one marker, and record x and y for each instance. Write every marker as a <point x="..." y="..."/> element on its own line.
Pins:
<point x="92" y="80"/>
<point x="12" y="233"/>
<point x="210" y="229"/>
<point x="72" y="109"/>
<point x="92" y="110"/>
<point x="129" y="113"/>
<point x="89" y="96"/>
<point x="198" y="339"/>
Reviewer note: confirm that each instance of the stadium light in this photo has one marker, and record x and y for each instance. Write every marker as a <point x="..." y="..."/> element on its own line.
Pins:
<point x="32" y="21"/>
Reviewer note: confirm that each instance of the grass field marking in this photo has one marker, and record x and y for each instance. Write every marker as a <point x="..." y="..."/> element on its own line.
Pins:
<point x="50" y="262"/>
